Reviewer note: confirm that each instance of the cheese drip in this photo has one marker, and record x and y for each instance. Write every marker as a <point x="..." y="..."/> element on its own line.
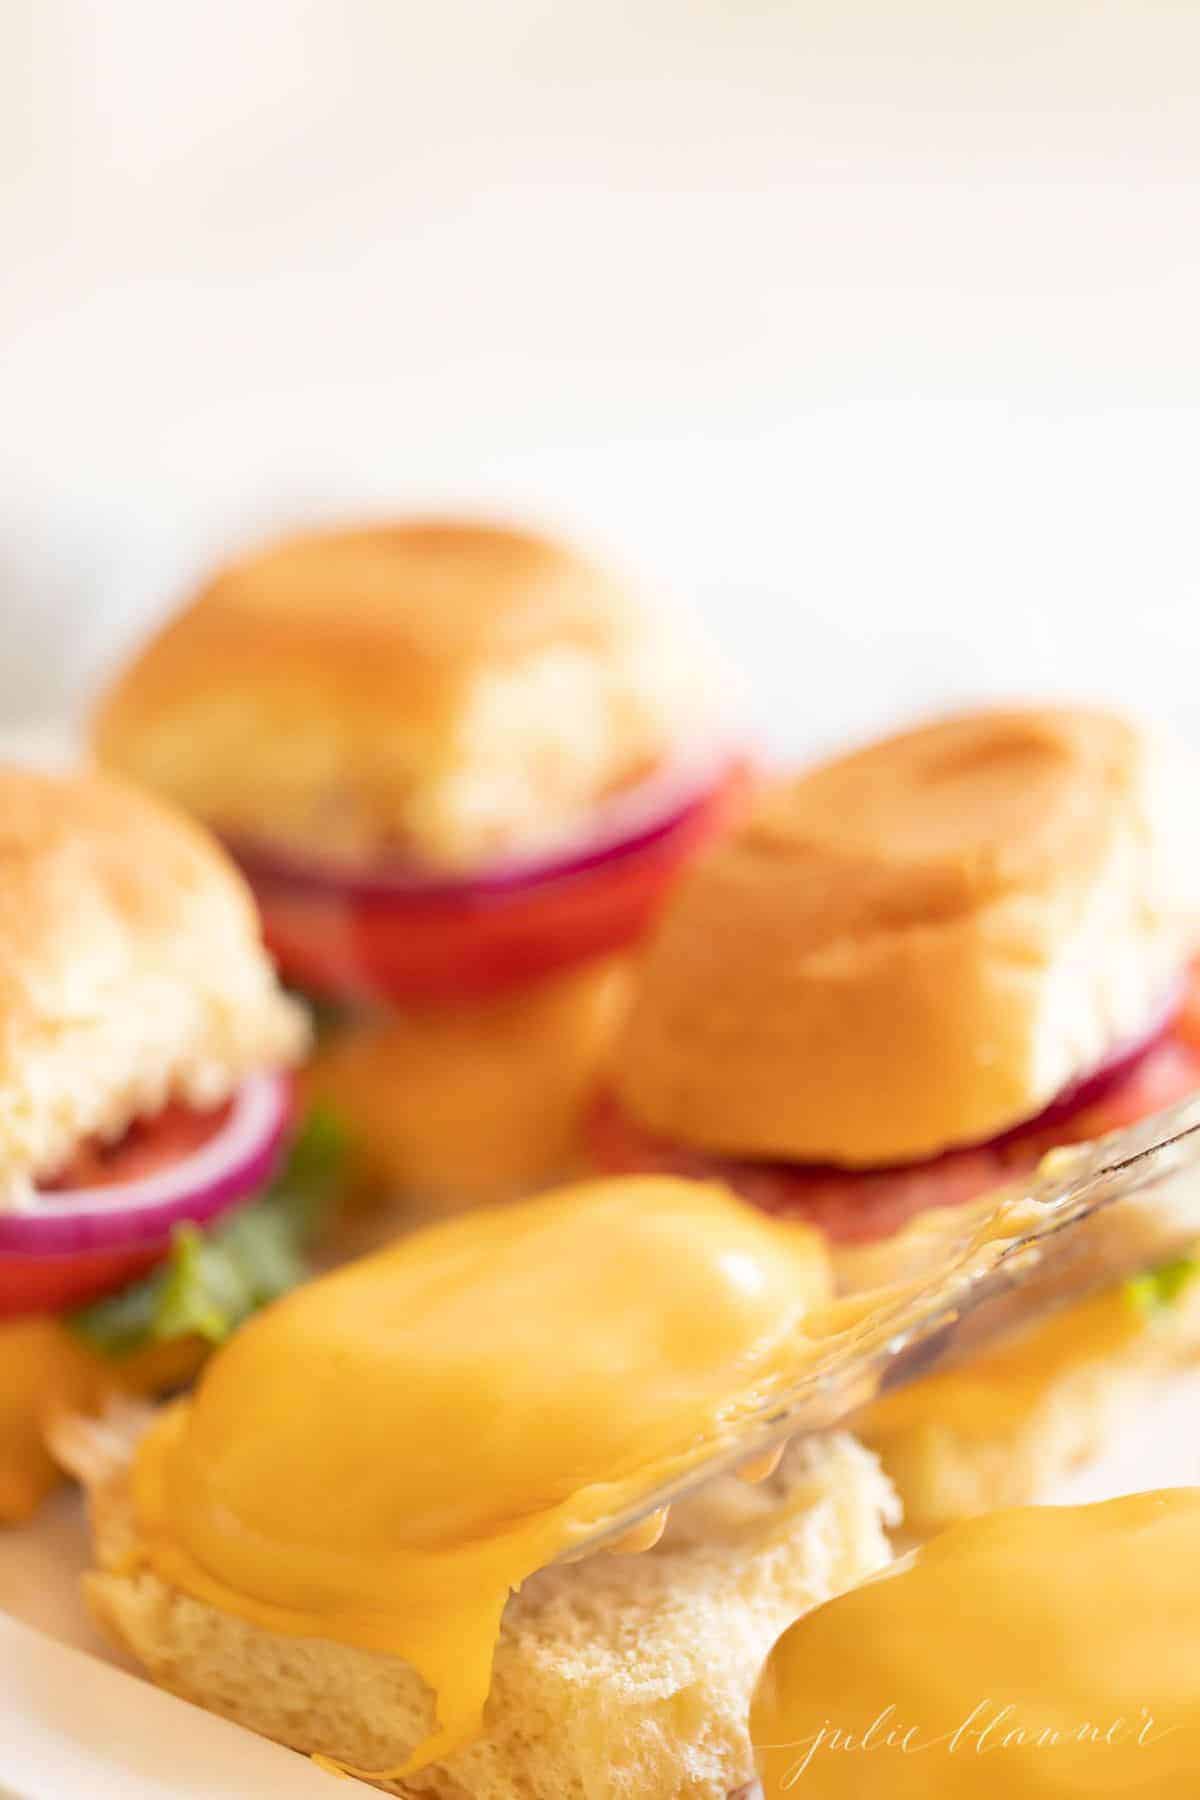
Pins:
<point x="47" y="1372"/>
<point x="384" y="1456"/>
<point x="1043" y="1651"/>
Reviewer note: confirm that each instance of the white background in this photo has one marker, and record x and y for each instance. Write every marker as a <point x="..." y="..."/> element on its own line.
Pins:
<point x="870" y="327"/>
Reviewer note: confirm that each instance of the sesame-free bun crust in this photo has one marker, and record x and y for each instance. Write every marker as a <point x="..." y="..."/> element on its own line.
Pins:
<point x="441" y="690"/>
<point x="637" y="1664"/>
<point x="920" y="944"/>
<point x="131" y="968"/>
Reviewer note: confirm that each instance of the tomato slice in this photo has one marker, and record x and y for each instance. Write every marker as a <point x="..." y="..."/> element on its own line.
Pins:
<point x="51" y="1284"/>
<point x="464" y="943"/>
<point x="862" y="1206"/>
<point x="148" y="1146"/>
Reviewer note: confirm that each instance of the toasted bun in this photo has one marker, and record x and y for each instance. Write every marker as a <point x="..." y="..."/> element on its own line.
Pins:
<point x="477" y="1102"/>
<point x="642" y="1664"/>
<point x="921" y="944"/>
<point x="131" y="968"/>
<point x="1006" y="1427"/>
<point x="447" y="691"/>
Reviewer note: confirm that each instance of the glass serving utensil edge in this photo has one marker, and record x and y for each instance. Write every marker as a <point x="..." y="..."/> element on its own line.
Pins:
<point x="950" y="1260"/>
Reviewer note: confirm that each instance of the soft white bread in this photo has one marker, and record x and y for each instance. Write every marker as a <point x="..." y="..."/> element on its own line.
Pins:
<point x="622" y="1676"/>
<point x="475" y="1102"/>
<point x="1009" y="1424"/>
<point x="437" y="689"/>
<point x="920" y="944"/>
<point x="131" y="969"/>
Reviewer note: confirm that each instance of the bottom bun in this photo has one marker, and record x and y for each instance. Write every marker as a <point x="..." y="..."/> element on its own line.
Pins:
<point x="457" y="1105"/>
<point x="1006" y="1426"/>
<point x="626" y="1675"/>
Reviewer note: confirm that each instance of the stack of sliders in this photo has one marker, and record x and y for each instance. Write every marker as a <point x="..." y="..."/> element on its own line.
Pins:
<point x="903" y="980"/>
<point x="1048" y="1652"/>
<point x="460" y="766"/>
<point x="146" y="1110"/>
<point x="357" y="1535"/>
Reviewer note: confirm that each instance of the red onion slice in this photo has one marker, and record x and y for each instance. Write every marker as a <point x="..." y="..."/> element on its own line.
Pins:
<point x="630" y="822"/>
<point x="236" y="1162"/>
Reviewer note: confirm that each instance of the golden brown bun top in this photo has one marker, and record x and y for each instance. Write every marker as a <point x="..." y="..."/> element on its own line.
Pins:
<point x="448" y="691"/>
<point x="432" y="593"/>
<point x="919" y="944"/>
<point x="131" y="968"/>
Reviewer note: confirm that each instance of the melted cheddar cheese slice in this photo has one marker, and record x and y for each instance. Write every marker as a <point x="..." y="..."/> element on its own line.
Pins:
<point x="1048" y="1652"/>
<point x="46" y="1372"/>
<point x="993" y="1392"/>
<point x="384" y="1456"/>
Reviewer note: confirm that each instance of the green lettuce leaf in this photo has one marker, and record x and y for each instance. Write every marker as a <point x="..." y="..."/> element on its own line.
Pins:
<point x="215" y="1278"/>
<point x="1157" y="1289"/>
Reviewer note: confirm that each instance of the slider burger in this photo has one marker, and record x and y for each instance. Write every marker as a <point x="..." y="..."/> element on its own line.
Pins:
<point x="1048" y="1652"/>
<point x="459" y="765"/>
<point x="906" y="977"/>
<point x="364" y="1533"/>
<point x="145" y="1107"/>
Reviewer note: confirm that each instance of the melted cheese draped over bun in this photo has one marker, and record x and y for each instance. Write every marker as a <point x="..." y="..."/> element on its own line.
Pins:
<point x="1043" y="1651"/>
<point x="385" y="1455"/>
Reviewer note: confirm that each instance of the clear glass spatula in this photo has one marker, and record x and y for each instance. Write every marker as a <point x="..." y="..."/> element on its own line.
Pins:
<point x="957" y="1278"/>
